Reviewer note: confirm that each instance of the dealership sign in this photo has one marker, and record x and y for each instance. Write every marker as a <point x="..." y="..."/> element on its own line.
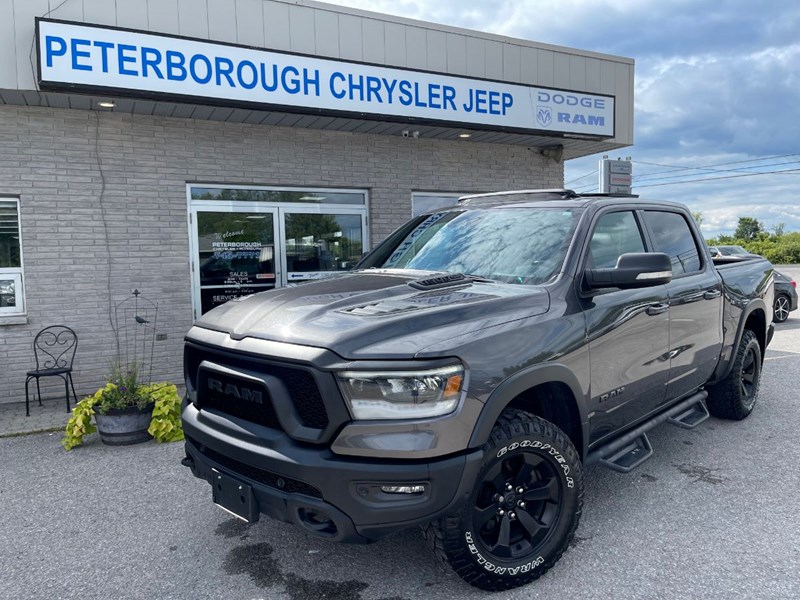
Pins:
<point x="616" y="176"/>
<point x="81" y="57"/>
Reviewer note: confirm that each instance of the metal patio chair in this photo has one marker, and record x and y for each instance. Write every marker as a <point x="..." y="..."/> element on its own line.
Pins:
<point x="54" y="349"/>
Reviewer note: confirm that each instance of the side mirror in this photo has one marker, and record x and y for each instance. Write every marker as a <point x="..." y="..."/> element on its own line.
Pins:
<point x="633" y="270"/>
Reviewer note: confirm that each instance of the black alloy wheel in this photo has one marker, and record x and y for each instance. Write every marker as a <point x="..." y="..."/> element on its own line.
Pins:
<point x="781" y="308"/>
<point x="750" y="372"/>
<point x="523" y="510"/>
<point x="735" y="396"/>
<point x="517" y="505"/>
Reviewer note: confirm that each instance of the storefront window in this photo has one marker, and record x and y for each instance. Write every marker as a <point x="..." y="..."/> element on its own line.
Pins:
<point x="12" y="300"/>
<point x="278" y="196"/>
<point x="250" y="239"/>
<point x="319" y="245"/>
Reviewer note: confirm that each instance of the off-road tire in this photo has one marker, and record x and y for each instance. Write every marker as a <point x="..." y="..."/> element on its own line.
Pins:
<point x="554" y="472"/>
<point x="780" y="308"/>
<point x="735" y="396"/>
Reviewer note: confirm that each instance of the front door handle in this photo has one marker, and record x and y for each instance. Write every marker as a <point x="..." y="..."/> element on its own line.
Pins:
<point x="657" y="309"/>
<point x="711" y="294"/>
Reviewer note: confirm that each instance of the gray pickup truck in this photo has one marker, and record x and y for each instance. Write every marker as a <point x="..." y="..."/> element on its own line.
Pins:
<point x="461" y="376"/>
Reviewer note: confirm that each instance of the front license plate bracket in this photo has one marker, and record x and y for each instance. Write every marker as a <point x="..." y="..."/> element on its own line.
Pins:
<point x="234" y="497"/>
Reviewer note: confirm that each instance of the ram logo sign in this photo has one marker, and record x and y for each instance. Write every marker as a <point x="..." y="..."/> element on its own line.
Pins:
<point x="544" y="116"/>
<point x="574" y="112"/>
<point x="235" y="391"/>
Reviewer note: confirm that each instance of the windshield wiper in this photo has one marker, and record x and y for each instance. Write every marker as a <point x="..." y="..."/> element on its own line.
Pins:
<point x="479" y="278"/>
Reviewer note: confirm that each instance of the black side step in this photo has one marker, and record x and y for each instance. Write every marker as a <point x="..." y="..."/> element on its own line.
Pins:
<point x="630" y="456"/>
<point x="632" y="448"/>
<point x="691" y="417"/>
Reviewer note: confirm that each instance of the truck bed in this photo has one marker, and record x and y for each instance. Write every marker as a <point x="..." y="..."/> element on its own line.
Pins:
<point x="743" y="280"/>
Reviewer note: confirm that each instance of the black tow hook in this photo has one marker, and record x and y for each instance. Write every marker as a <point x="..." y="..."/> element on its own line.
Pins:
<point x="188" y="461"/>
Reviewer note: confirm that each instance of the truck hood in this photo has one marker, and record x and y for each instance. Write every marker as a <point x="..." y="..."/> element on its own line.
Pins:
<point x="386" y="313"/>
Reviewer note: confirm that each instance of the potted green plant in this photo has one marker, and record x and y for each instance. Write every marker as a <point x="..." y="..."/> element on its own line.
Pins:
<point x="127" y="412"/>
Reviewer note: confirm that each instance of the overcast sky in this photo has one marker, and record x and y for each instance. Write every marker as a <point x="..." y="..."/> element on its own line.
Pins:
<point x="717" y="83"/>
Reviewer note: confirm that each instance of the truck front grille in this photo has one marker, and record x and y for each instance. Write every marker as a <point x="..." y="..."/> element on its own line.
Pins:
<point x="305" y="397"/>
<point x="255" y="405"/>
<point x="252" y="402"/>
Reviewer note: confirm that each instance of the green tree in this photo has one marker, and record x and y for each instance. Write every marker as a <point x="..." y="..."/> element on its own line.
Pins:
<point x="698" y="217"/>
<point x="749" y="228"/>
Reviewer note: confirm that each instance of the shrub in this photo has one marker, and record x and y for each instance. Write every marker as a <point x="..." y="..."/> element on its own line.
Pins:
<point x="165" y="423"/>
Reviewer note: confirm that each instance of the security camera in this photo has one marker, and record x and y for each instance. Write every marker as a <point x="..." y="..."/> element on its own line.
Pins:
<point x="406" y="133"/>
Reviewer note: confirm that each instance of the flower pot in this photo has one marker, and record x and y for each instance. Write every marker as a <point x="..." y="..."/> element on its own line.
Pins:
<point x="124" y="426"/>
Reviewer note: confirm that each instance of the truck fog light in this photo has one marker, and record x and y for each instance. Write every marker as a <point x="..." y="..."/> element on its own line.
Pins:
<point x="403" y="489"/>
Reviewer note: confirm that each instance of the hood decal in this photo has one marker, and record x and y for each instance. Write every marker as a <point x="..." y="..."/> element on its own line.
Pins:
<point x="415" y="302"/>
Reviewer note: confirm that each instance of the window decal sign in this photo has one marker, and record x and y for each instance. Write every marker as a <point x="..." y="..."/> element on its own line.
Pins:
<point x="96" y="58"/>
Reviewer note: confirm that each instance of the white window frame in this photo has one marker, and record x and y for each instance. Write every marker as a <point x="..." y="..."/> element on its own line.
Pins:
<point x="17" y="274"/>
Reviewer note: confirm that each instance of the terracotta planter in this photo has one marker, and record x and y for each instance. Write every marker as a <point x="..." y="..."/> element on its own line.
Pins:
<point x="123" y="427"/>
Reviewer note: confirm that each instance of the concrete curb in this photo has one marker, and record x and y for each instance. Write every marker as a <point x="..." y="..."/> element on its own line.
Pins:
<point x="31" y="432"/>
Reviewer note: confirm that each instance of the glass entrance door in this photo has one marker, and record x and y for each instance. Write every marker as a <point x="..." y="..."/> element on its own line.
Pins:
<point x="235" y="255"/>
<point x="248" y="239"/>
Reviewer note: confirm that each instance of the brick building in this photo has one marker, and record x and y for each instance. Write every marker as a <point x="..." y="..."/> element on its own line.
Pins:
<point x="198" y="150"/>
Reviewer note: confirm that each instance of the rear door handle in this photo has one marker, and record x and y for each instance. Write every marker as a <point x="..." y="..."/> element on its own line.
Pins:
<point x="657" y="309"/>
<point x="711" y="294"/>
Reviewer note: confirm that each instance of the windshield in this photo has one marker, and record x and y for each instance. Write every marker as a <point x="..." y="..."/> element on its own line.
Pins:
<point x="513" y="245"/>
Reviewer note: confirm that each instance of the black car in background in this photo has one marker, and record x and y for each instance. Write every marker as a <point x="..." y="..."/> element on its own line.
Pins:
<point x="785" y="297"/>
<point x="785" y="287"/>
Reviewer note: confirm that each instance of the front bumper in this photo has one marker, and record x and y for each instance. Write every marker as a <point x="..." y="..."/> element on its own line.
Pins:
<point x="301" y="484"/>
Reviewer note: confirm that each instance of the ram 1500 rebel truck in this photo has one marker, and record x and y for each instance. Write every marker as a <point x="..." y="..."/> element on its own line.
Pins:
<point x="461" y="376"/>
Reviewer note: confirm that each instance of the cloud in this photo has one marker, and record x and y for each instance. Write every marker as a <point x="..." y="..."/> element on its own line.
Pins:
<point x="630" y="28"/>
<point x="652" y="28"/>
<point x="736" y="102"/>
<point x="772" y="199"/>
<point x="716" y="82"/>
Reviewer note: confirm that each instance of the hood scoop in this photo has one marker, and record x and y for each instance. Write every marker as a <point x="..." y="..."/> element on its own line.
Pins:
<point x="415" y="302"/>
<point x="441" y="281"/>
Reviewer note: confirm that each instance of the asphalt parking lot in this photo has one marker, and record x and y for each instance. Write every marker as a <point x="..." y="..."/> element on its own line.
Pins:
<point x="714" y="514"/>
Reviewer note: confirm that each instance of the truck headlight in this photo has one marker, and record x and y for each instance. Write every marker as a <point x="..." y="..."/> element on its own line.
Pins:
<point x="402" y="394"/>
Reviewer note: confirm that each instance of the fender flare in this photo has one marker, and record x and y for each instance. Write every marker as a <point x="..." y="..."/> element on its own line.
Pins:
<point x="513" y="386"/>
<point x="752" y="306"/>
